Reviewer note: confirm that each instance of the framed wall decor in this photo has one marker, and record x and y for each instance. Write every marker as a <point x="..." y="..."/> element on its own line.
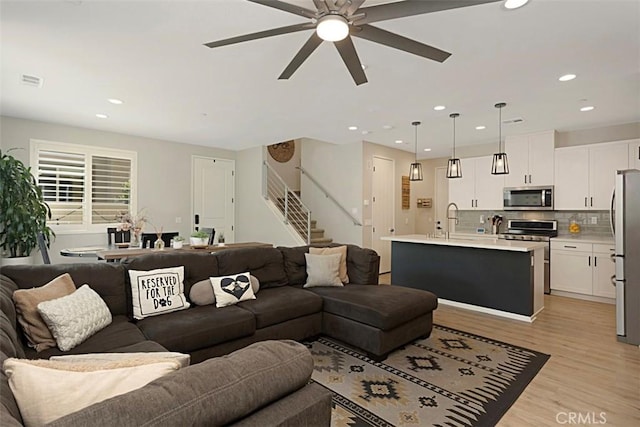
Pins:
<point x="406" y="193"/>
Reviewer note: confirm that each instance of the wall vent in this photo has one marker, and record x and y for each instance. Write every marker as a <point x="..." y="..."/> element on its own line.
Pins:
<point x="30" y="80"/>
<point x="513" y="120"/>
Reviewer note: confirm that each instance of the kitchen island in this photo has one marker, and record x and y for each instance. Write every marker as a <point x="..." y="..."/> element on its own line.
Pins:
<point x="480" y="273"/>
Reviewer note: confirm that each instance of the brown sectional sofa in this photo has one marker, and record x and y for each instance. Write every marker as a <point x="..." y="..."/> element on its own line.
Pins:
<point x="375" y="319"/>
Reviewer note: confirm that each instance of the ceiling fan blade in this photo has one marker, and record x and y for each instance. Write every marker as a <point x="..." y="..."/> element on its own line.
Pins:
<point x="262" y="34"/>
<point x="287" y="7"/>
<point x="350" y="57"/>
<point x="401" y="9"/>
<point x="378" y="35"/>
<point x="355" y="4"/>
<point x="304" y="52"/>
<point x="321" y="6"/>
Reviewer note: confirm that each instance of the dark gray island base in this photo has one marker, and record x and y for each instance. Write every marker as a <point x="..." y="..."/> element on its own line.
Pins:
<point x="478" y="277"/>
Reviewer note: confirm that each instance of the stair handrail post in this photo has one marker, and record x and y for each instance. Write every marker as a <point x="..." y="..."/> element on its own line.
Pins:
<point x="288" y="193"/>
<point x="265" y="179"/>
<point x="355" y="220"/>
<point x="286" y="204"/>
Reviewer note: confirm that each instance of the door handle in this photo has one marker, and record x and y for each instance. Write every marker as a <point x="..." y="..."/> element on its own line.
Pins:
<point x="391" y="230"/>
<point x="613" y="280"/>
<point x="196" y="221"/>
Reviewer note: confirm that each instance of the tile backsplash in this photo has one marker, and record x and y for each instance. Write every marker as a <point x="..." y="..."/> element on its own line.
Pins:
<point x="469" y="221"/>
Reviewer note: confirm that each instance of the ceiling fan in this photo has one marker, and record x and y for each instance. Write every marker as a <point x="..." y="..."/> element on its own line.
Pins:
<point x="338" y="20"/>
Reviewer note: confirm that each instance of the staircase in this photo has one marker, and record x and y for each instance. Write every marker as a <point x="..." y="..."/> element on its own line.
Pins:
<point x="294" y="204"/>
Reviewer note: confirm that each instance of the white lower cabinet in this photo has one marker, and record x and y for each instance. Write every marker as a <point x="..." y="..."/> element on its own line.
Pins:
<point x="604" y="268"/>
<point x="582" y="268"/>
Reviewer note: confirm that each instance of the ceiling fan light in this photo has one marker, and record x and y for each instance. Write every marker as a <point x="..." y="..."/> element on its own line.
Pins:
<point x="332" y="28"/>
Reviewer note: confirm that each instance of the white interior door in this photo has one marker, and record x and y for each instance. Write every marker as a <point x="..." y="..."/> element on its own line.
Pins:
<point x="382" y="220"/>
<point x="213" y="195"/>
<point x="442" y="198"/>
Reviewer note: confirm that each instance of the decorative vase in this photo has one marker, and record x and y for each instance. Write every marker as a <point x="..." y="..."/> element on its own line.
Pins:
<point x="158" y="244"/>
<point x="177" y="244"/>
<point x="135" y="240"/>
<point x="198" y="241"/>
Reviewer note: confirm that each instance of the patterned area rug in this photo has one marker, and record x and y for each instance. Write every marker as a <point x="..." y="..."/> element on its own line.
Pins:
<point x="453" y="378"/>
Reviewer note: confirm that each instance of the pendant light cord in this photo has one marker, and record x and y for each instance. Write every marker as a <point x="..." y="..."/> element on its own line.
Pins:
<point x="416" y="125"/>
<point x="454" y="137"/>
<point x="500" y="130"/>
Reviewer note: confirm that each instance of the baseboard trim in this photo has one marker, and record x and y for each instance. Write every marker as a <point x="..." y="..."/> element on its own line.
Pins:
<point x="593" y="298"/>
<point x="492" y="311"/>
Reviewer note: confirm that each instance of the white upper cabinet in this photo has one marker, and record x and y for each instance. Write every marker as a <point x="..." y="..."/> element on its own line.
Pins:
<point x="634" y="154"/>
<point x="531" y="158"/>
<point x="478" y="188"/>
<point x="462" y="191"/>
<point x="604" y="161"/>
<point x="572" y="178"/>
<point x="585" y="175"/>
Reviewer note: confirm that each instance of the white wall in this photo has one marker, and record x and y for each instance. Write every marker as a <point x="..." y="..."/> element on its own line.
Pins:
<point x="338" y="168"/>
<point x="404" y="218"/>
<point x="164" y="173"/>
<point x="288" y="171"/>
<point x="255" y="220"/>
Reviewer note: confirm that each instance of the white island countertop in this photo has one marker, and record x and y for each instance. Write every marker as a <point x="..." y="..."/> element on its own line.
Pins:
<point x="471" y="241"/>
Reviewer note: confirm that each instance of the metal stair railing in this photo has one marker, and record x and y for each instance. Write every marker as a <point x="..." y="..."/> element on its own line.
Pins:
<point x="295" y="213"/>
<point x="355" y="220"/>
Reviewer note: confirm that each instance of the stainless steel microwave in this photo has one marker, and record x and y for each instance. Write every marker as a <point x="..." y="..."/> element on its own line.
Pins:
<point x="528" y="198"/>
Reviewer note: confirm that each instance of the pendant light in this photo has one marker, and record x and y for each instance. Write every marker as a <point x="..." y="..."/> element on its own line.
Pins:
<point x="415" y="170"/>
<point x="454" y="169"/>
<point x="500" y="165"/>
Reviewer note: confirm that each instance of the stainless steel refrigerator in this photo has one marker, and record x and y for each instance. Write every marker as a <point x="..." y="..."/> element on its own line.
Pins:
<point x="625" y="216"/>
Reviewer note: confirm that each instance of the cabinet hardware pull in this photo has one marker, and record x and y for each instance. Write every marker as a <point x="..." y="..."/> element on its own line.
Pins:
<point x="595" y="261"/>
<point x="525" y="178"/>
<point x="572" y="247"/>
<point x="591" y="201"/>
<point x="529" y="178"/>
<point x="589" y="261"/>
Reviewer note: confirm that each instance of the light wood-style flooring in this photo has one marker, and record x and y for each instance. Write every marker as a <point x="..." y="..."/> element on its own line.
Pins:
<point x="589" y="374"/>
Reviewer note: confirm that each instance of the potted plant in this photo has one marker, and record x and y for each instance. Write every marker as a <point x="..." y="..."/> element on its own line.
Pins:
<point x="178" y="242"/>
<point x="23" y="211"/>
<point x="199" y="238"/>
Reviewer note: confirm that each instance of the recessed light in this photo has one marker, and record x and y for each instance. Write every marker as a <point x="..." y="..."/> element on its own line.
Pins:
<point x="439" y="107"/>
<point x="366" y="132"/>
<point x="115" y="101"/>
<point x="427" y="149"/>
<point x="387" y="127"/>
<point x="587" y="108"/>
<point x="399" y="141"/>
<point x="102" y="116"/>
<point x="514" y="4"/>
<point x="353" y="127"/>
<point x="567" y="77"/>
<point x="481" y="127"/>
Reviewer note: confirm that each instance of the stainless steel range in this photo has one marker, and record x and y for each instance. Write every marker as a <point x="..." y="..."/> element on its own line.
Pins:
<point x="537" y="230"/>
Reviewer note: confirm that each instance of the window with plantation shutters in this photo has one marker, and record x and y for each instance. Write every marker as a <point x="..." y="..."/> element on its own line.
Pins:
<point x="84" y="186"/>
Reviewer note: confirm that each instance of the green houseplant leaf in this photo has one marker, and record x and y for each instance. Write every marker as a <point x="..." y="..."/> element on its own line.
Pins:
<point x="23" y="211"/>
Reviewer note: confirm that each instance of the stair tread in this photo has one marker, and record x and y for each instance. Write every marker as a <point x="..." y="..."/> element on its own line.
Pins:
<point x="321" y="240"/>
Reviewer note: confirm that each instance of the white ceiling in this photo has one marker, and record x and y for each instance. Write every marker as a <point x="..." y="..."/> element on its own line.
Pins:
<point x="150" y="54"/>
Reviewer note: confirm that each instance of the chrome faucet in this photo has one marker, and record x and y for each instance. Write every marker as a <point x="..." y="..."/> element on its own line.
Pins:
<point x="455" y="217"/>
